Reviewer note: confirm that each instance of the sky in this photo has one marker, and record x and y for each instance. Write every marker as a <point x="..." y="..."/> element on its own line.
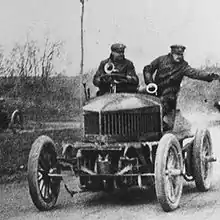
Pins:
<point x="147" y="27"/>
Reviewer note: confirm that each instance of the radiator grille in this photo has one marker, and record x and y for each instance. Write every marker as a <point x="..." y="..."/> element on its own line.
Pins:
<point x="141" y="124"/>
<point x="131" y="124"/>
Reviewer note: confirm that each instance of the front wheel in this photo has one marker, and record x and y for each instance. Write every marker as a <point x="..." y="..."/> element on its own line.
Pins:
<point x="202" y="168"/>
<point x="44" y="190"/>
<point x="168" y="169"/>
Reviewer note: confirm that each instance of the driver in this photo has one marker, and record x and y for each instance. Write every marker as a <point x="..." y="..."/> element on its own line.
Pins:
<point x="167" y="72"/>
<point x="127" y="78"/>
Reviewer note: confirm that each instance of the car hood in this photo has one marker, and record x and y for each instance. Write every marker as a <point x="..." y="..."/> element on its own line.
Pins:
<point x="120" y="101"/>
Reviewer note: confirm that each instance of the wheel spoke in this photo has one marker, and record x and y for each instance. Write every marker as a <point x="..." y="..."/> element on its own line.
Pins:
<point x="39" y="176"/>
<point x="169" y="188"/>
<point x="47" y="185"/>
<point x="172" y="181"/>
<point x="50" y="191"/>
<point x="205" y="152"/>
<point x="53" y="185"/>
<point x="40" y="169"/>
<point x="46" y="188"/>
<point x="42" y="189"/>
<point x="46" y="191"/>
<point x="172" y="193"/>
<point x="41" y="184"/>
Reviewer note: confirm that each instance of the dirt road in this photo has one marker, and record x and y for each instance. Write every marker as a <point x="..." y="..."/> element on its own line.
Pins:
<point x="15" y="202"/>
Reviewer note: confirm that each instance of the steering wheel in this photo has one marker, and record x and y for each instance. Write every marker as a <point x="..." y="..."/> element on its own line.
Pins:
<point x="151" y="88"/>
<point x="115" y="78"/>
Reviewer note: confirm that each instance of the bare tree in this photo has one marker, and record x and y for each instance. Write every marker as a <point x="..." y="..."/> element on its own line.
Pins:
<point x="51" y="50"/>
<point x="22" y="60"/>
<point x="29" y="62"/>
<point x="29" y="59"/>
<point x="2" y="58"/>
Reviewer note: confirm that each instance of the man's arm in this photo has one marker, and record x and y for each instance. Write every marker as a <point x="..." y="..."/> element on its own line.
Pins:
<point x="149" y="70"/>
<point x="199" y="74"/>
<point x="97" y="81"/>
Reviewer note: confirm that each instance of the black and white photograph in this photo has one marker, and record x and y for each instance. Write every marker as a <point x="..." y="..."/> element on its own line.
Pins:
<point x="109" y="109"/>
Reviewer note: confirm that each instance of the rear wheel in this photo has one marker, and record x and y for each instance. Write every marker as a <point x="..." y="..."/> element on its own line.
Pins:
<point x="168" y="168"/>
<point x="202" y="168"/>
<point x="44" y="190"/>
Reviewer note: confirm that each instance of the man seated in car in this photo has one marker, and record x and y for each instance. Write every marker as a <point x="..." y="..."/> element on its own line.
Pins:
<point x="118" y="69"/>
<point x="167" y="72"/>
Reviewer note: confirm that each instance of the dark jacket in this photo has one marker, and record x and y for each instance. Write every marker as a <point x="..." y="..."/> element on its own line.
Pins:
<point x="168" y="75"/>
<point x="125" y="68"/>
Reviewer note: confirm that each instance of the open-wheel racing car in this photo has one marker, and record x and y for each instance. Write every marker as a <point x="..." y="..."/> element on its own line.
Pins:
<point x="123" y="145"/>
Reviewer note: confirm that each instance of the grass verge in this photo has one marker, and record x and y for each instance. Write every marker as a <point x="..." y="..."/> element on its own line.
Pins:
<point x="14" y="150"/>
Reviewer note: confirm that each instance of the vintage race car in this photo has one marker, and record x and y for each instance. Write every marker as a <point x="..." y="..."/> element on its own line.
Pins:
<point x="123" y="145"/>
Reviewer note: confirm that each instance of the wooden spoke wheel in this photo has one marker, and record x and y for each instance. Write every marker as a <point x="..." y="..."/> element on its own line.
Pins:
<point x="168" y="169"/>
<point x="202" y="168"/>
<point x="44" y="190"/>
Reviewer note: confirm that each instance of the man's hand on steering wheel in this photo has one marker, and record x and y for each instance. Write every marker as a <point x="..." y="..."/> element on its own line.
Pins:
<point x="114" y="78"/>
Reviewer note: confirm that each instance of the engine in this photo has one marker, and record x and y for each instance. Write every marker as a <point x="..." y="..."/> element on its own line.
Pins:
<point x="113" y="168"/>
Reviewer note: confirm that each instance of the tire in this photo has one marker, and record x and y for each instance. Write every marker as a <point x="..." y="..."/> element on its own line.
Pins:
<point x="43" y="189"/>
<point x="202" y="170"/>
<point x="17" y="120"/>
<point x="168" y="187"/>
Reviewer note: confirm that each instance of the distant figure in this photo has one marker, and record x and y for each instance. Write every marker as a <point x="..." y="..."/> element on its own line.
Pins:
<point x="116" y="64"/>
<point x="167" y="72"/>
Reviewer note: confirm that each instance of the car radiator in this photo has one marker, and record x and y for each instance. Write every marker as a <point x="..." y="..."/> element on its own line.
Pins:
<point x="123" y="123"/>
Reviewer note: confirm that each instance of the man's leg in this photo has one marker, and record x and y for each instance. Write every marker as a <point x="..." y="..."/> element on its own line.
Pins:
<point x="169" y="120"/>
<point x="169" y="111"/>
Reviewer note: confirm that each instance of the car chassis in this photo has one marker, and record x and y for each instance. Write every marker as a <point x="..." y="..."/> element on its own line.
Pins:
<point x="105" y="160"/>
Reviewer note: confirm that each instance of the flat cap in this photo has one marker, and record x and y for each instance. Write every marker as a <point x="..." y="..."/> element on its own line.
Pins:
<point x="118" y="47"/>
<point x="178" y="49"/>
